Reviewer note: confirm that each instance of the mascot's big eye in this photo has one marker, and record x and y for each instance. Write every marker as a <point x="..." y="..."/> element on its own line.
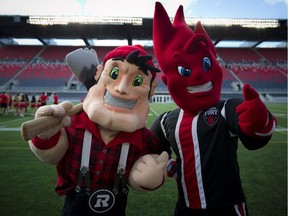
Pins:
<point x="184" y="71"/>
<point x="206" y="64"/>
<point x="114" y="73"/>
<point x="138" y="80"/>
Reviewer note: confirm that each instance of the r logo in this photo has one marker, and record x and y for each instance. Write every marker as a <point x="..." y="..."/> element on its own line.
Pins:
<point x="101" y="201"/>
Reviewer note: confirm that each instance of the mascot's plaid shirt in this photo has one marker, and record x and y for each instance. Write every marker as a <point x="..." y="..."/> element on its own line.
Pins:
<point x="104" y="159"/>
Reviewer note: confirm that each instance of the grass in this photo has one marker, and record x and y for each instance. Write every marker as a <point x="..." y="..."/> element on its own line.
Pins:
<point x="27" y="185"/>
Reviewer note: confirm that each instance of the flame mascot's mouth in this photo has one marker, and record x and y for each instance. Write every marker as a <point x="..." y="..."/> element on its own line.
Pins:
<point x="118" y="102"/>
<point x="201" y="88"/>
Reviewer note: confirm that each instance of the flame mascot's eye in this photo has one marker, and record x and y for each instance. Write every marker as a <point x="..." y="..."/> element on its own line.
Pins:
<point x="206" y="63"/>
<point x="114" y="73"/>
<point x="138" y="80"/>
<point x="184" y="71"/>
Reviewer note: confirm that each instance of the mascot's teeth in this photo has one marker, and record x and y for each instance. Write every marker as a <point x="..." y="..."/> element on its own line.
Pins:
<point x="117" y="102"/>
<point x="201" y="88"/>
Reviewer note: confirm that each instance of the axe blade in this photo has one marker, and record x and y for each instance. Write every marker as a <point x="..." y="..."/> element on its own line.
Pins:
<point x="83" y="63"/>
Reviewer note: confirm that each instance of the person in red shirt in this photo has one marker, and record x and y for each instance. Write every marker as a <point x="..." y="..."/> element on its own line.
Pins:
<point x="117" y="149"/>
<point x="4" y="102"/>
<point x="9" y="101"/>
<point x="55" y="98"/>
<point x="38" y="103"/>
<point x="22" y="105"/>
<point x="33" y="103"/>
<point x="43" y="98"/>
<point x="16" y="102"/>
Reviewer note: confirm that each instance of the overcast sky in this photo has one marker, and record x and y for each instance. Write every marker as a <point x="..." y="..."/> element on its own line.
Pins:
<point x="268" y="9"/>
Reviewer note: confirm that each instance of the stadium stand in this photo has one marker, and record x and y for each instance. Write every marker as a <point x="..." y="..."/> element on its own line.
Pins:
<point x="47" y="69"/>
<point x="13" y="59"/>
<point x="43" y="68"/>
<point x="256" y="67"/>
<point x="276" y="57"/>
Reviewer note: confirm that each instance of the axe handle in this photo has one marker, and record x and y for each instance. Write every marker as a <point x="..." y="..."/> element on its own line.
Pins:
<point x="34" y="127"/>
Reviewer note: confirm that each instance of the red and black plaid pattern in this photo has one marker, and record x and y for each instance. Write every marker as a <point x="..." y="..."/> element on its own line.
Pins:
<point x="104" y="158"/>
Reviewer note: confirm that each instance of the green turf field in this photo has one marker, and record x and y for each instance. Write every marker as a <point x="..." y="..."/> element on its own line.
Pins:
<point x="27" y="184"/>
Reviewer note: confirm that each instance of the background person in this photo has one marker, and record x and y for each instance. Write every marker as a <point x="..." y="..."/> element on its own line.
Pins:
<point x="33" y="103"/>
<point x="22" y="105"/>
<point x="55" y="98"/>
<point x="16" y="102"/>
<point x="4" y="102"/>
<point x="43" y="98"/>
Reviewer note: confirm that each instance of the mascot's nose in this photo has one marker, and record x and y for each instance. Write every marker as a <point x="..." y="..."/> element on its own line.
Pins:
<point x="122" y="87"/>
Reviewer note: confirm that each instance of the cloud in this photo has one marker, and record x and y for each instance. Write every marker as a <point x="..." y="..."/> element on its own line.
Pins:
<point x="172" y="6"/>
<point x="137" y="8"/>
<point x="119" y="8"/>
<point x="32" y="7"/>
<point x="132" y="7"/>
<point x="272" y="2"/>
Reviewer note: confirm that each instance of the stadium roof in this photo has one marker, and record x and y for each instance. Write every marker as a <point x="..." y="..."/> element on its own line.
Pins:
<point x="91" y="31"/>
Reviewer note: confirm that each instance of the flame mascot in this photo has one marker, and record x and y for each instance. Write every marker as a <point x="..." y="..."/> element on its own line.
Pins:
<point x="204" y="131"/>
<point x="106" y="144"/>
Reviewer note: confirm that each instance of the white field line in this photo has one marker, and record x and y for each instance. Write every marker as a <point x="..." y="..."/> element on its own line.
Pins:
<point x="2" y="124"/>
<point x="10" y="129"/>
<point x="157" y="114"/>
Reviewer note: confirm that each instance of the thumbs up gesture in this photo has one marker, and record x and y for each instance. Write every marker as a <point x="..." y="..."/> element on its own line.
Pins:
<point x="254" y="117"/>
<point x="149" y="172"/>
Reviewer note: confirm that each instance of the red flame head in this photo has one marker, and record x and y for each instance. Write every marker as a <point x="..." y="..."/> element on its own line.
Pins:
<point x="187" y="59"/>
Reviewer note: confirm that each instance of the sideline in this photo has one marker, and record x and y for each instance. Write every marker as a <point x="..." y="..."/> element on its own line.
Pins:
<point x="10" y="129"/>
<point x="281" y="130"/>
<point x="3" y="123"/>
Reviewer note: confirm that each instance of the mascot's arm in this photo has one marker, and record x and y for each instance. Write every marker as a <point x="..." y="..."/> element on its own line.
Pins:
<point x="255" y="120"/>
<point x="149" y="172"/>
<point x="51" y="145"/>
<point x="164" y="145"/>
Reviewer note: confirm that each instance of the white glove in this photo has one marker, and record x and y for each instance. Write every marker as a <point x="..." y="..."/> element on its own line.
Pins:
<point x="58" y="112"/>
<point x="149" y="172"/>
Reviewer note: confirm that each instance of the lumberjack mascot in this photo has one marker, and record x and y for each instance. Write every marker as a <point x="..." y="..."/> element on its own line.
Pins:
<point x="204" y="131"/>
<point x="105" y="146"/>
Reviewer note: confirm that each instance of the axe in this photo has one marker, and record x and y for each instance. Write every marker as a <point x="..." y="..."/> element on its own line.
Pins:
<point x="83" y="63"/>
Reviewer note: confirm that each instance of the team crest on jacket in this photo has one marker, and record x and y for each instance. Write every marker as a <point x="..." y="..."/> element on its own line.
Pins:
<point x="211" y="116"/>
